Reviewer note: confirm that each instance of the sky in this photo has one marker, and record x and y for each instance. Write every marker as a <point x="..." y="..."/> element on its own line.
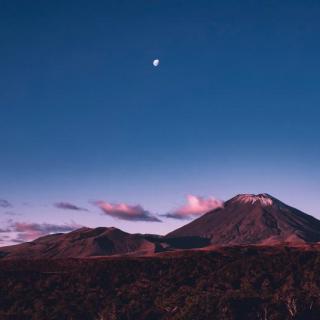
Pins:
<point x="93" y="134"/>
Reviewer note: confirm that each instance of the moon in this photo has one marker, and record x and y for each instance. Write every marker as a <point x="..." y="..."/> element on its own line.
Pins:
<point x="156" y="62"/>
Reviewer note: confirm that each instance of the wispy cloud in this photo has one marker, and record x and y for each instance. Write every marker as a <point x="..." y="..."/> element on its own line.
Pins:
<point x="5" y="203"/>
<point x="195" y="206"/>
<point x="12" y="213"/>
<point x="30" y="231"/>
<point x="4" y="239"/>
<point x="68" y="206"/>
<point x="42" y="227"/>
<point x="125" y="211"/>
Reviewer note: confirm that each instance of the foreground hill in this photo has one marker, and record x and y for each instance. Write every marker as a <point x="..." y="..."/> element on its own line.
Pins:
<point x="230" y="283"/>
<point x="253" y="219"/>
<point x="84" y="242"/>
<point x="87" y="242"/>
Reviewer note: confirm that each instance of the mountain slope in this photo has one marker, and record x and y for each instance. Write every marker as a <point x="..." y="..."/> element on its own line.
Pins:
<point x="253" y="219"/>
<point x="84" y="242"/>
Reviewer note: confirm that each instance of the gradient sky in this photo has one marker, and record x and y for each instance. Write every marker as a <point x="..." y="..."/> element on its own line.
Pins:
<point x="232" y="108"/>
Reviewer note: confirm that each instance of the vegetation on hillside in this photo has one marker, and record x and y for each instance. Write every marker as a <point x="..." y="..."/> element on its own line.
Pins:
<point x="232" y="283"/>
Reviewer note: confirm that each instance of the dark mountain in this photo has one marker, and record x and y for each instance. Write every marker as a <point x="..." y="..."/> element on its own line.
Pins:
<point x="244" y="220"/>
<point x="81" y="243"/>
<point x="253" y="219"/>
<point x="86" y="242"/>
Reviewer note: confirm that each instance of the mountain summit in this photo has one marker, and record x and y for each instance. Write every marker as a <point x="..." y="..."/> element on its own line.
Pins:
<point x="253" y="219"/>
<point x="264" y="199"/>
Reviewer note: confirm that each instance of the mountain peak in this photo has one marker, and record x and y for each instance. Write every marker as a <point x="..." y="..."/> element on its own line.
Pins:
<point x="253" y="219"/>
<point x="264" y="199"/>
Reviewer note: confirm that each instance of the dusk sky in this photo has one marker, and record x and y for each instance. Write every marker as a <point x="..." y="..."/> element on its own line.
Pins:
<point x="93" y="134"/>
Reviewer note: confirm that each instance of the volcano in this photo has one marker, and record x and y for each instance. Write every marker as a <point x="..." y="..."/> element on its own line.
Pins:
<point x="253" y="219"/>
<point x="246" y="219"/>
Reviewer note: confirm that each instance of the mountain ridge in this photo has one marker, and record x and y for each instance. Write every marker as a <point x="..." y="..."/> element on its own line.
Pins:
<point x="245" y="219"/>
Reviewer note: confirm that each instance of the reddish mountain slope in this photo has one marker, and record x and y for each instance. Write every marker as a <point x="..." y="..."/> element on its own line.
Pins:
<point x="253" y="219"/>
<point x="84" y="242"/>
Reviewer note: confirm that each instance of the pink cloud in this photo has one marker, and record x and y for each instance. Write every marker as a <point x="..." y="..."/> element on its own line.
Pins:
<point x="196" y="206"/>
<point x="125" y="211"/>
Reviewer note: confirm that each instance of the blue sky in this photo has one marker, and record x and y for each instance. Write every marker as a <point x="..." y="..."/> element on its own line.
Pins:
<point x="232" y="108"/>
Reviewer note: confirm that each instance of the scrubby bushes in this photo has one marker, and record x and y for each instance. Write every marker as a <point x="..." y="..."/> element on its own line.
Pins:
<point x="231" y="283"/>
